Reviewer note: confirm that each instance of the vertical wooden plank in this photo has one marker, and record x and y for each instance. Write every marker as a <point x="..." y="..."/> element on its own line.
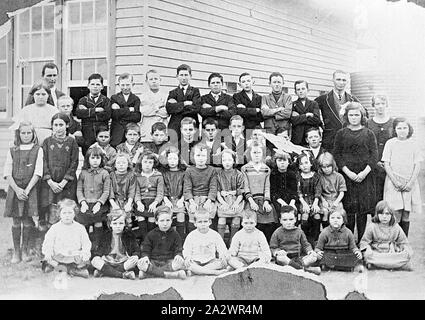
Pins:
<point x="111" y="55"/>
<point x="146" y="36"/>
<point x="58" y="27"/>
<point x="10" y="70"/>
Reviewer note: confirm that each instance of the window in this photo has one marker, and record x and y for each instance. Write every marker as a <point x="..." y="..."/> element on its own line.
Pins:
<point x="36" y="44"/>
<point x="86" y="44"/>
<point x="3" y="76"/>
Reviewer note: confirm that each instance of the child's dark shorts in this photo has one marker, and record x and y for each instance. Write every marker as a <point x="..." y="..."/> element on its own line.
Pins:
<point x="146" y="213"/>
<point x="89" y="218"/>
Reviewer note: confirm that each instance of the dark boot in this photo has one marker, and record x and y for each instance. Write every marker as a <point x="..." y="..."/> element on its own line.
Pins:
<point x="26" y="232"/>
<point x="294" y="264"/>
<point x="405" y="226"/>
<point x="109" y="271"/>
<point x="97" y="235"/>
<point x="180" y="229"/>
<point x="16" y="236"/>
<point x="221" y="229"/>
<point x="155" y="271"/>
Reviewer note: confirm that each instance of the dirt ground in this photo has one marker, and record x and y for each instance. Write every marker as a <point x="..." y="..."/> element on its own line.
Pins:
<point x="26" y="281"/>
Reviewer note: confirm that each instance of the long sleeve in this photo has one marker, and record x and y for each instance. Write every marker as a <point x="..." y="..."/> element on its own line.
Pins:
<point x="247" y="189"/>
<point x="267" y="187"/>
<point x="73" y="165"/>
<point x="274" y="241"/>
<point x="8" y="165"/>
<point x="46" y="170"/>
<point x="85" y="244"/>
<point x="177" y="246"/>
<point x="48" y="243"/>
<point x="220" y="246"/>
<point x="88" y="113"/>
<point x="235" y="245"/>
<point x="159" y="189"/>
<point x="188" y="246"/>
<point x="305" y="245"/>
<point x="367" y="238"/>
<point x="338" y="149"/>
<point x="285" y="114"/>
<point x="351" y="243"/>
<point x="373" y="149"/>
<point x="323" y="238"/>
<point x="147" y="245"/>
<point x="240" y="183"/>
<point x="264" y="246"/>
<point x="187" y="186"/>
<point x="80" y="187"/>
<point x="106" y="187"/>
<point x="212" y="193"/>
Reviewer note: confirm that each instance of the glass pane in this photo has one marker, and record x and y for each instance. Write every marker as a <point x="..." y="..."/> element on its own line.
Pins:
<point x="27" y="75"/>
<point x="3" y="51"/>
<point x="88" y="67"/>
<point x="101" y="41"/>
<point x="49" y="45"/>
<point x="3" y="75"/>
<point x="36" y="70"/>
<point x="100" y="11"/>
<point x="75" y="42"/>
<point x="101" y="67"/>
<point x="3" y="97"/>
<point x="36" y="18"/>
<point x="24" y="21"/>
<point x="49" y="17"/>
<point x="76" y="67"/>
<point x="87" y="12"/>
<point x="25" y="91"/>
<point x="24" y="46"/>
<point x="74" y="13"/>
<point x="36" y="45"/>
<point x="88" y="43"/>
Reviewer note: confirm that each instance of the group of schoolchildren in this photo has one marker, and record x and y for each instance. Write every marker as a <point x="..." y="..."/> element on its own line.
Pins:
<point x="192" y="205"/>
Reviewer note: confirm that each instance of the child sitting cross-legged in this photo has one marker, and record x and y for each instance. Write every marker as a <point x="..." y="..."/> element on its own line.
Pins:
<point x="201" y="247"/>
<point x="162" y="249"/>
<point x="289" y="244"/>
<point x="336" y="248"/>
<point x="117" y="254"/>
<point x="67" y="243"/>
<point x="249" y="245"/>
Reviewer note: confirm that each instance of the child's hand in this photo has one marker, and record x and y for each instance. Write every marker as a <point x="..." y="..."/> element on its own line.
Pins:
<point x="305" y="207"/>
<point x="20" y="193"/>
<point x="180" y="203"/>
<point x="208" y="205"/>
<point x="178" y="260"/>
<point x="82" y="107"/>
<point x="295" y="114"/>
<point x="152" y="206"/>
<point x="368" y="251"/>
<point x="361" y="176"/>
<point x="267" y="207"/>
<point x="168" y="203"/>
<point x="193" y="207"/>
<point x="358" y="254"/>
<point x="172" y="101"/>
<point x="128" y="207"/>
<point x="292" y="204"/>
<point x="241" y="106"/>
<point x="99" y="109"/>
<point x="281" y="253"/>
<point x="84" y="207"/>
<point x="131" y="109"/>
<point x="235" y="206"/>
<point x="254" y="206"/>
<point x="78" y="134"/>
<point x="114" y="205"/>
<point x="140" y="207"/>
<point x="36" y="219"/>
<point x="407" y="187"/>
<point x="187" y="263"/>
<point x="133" y="260"/>
<point x="316" y="208"/>
<point x="281" y="202"/>
<point x="115" y="106"/>
<point x="319" y="254"/>
<point x="187" y="103"/>
<point x="96" y="207"/>
<point x="54" y="186"/>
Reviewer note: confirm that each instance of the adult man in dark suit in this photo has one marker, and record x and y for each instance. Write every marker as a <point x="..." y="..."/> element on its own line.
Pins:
<point x="50" y="74"/>
<point x="183" y="101"/>
<point x="332" y="106"/>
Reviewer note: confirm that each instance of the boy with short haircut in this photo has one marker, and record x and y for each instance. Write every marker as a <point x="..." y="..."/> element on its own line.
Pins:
<point x="248" y="103"/>
<point x="289" y="244"/>
<point x="313" y="136"/>
<point x="93" y="110"/>
<point x="305" y="113"/>
<point x="162" y="249"/>
<point x="132" y="145"/>
<point x="188" y="140"/>
<point x="152" y="107"/>
<point x="184" y="101"/>
<point x="217" y="104"/>
<point x="237" y="143"/>
<point x="102" y="141"/>
<point x="276" y="107"/>
<point x="210" y="139"/>
<point x="159" y="138"/>
<point x="67" y="244"/>
<point x="125" y="109"/>
<point x="249" y="245"/>
<point x="202" y="246"/>
<point x="117" y="254"/>
<point x="66" y="105"/>
<point x="200" y="185"/>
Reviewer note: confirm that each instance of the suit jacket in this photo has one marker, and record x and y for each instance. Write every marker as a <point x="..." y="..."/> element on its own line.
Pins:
<point x="331" y="120"/>
<point x="222" y="117"/>
<point x="251" y="117"/>
<point x="274" y="120"/>
<point x="128" y="240"/>
<point x="30" y="98"/>
<point x="214" y="155"/>
<point x="122" y="116"/>
<point x="178" y="110"/>
<point x="301" y="123"/>
<point x="239" y="149"/>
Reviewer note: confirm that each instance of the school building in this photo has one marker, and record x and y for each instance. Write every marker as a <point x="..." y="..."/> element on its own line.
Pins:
<point x="298" y="38"/>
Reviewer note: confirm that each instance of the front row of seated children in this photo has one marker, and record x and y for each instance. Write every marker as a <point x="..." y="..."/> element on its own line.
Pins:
<point x="67" y="246"/>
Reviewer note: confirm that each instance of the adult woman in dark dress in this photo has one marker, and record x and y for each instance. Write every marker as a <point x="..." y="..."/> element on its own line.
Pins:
<point x="382" y="126"/>
<point x="356" y="154"/>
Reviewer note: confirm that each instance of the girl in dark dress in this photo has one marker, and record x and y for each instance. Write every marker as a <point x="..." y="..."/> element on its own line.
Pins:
<point x="23" y="168"/>
<point x="356" y="154"/>
<point x="60" y="166"/>
<point x="382" y="126"/>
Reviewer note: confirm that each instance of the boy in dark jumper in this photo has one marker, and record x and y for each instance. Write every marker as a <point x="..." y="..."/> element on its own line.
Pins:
<point x="162" y="249"/>
<point x="125" y="109"/>
<point x="93" y="110"/>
